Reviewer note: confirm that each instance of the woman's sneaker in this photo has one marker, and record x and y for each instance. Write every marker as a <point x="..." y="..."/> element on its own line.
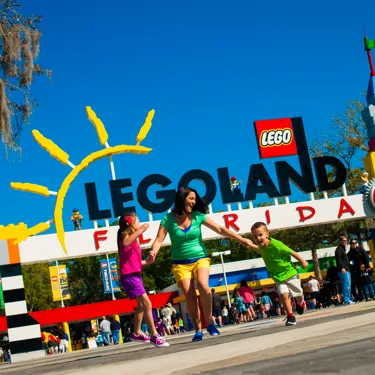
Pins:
<point x="141" y="337"/>
<point x="158" y="341"/>
<point x="198" y="336"/>
<point x="212" y="330"/>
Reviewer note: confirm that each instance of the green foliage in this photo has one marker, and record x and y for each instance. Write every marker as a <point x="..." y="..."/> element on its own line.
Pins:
<point x="19" y="51"/>
<point x="38" y="287"/>
<point x="159" y="274"/>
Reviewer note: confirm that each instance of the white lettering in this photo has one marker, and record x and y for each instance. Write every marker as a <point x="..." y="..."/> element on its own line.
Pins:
<point x="276" y="137"/>
<point x="263" y="140"/>
<point x="287" y="136"/>
<point x="271" y="137"/>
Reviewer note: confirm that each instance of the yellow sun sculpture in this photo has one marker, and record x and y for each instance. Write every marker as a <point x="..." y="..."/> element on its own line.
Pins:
<point x="20" y="232"/>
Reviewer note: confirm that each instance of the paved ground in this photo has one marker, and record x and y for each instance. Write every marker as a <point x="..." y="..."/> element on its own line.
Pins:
<point x="266" y="347"/>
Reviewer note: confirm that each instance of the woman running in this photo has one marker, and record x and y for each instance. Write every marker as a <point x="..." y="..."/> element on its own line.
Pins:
<point x="190" y="260"/>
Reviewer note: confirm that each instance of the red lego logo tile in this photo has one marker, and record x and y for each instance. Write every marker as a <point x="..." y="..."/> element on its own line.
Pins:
<point x="275" y="138"/>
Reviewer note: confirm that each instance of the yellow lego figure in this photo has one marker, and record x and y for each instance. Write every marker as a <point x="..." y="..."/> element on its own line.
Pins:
<point x="77" y="219"/>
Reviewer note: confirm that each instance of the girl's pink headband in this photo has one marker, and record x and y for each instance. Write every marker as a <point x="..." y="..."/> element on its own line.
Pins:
<point x="129" y="220"/>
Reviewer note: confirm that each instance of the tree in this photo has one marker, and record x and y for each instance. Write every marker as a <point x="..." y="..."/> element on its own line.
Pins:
<point x="346" y="141"/>
<point x="85" y="281"/>
<point x="20" y="45"/>
<point x="38" y="291"/>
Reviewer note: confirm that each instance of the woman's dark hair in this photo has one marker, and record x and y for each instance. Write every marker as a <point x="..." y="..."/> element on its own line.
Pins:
<point x="264" y="293"/>
<point x="179" y="201"/>
<point x="244" y="283"/>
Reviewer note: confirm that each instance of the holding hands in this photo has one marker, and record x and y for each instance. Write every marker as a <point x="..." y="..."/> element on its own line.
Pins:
<point x="250" y="244"/>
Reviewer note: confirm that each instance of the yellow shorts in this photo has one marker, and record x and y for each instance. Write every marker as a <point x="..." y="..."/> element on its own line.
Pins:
<point x="189" y="271"/>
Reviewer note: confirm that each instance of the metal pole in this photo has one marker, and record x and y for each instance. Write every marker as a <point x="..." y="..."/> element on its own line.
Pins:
<point x="58" y="280"/>
<point x="225" y="279"/>
<point x="110" y="278"/>
<point x="372" y="70"/>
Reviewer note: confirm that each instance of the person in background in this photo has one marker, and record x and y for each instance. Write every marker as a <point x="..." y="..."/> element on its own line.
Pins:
<point x="267" y="303"/>
<point x="343" y="264"/>
<point x="115" y="328"/>
<point x="99" y="340"/>
<point x="216" y="308"/>
<point x="225" y="314"/>
<point x="367" y="282"/>
<point x="105" y="326"/>
<point x="357" y="256"/>
<point x="176" y="326"/>
<point x="160" y="327"/>
<point x="277" y="304"/>
<point x="248" y="295"/>
<point x="167" y="326"/>
<point x="334" y="280"/>
<point x="63" y="347"/>
<point x="167" y="312"/>
<point x="314" y="288"/>
<point x="181" y="325"/>
<point x="239" y="303"/>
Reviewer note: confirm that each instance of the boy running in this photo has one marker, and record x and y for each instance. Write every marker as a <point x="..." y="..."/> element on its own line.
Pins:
<point x="277" y="258"/>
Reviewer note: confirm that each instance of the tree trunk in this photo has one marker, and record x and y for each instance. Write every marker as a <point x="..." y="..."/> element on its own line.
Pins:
<point x="315" y="259"/>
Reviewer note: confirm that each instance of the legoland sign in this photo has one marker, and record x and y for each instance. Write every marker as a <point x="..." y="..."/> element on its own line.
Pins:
<point x="275" y="138"/>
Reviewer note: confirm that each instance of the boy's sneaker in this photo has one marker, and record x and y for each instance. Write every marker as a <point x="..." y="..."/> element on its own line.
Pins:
<point x="212" y="330"/>
<point x="198" y="336"/>
<point x="141" y="337"/>
<point x="158" y="341"/>
<point x="290" y="321"/>
<point x="300" y="307"/>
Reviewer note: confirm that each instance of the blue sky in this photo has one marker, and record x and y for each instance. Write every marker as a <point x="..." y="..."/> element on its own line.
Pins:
<point x="208" y="68"/>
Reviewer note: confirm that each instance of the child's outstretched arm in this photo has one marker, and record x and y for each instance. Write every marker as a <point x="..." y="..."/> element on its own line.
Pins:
<point x="300" y="259"/>
<point x="130" y="239"/>
<point x="162" y="233"/>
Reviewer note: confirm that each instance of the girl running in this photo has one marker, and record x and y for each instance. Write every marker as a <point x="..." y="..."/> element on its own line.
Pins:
<point x="131" y="264"/>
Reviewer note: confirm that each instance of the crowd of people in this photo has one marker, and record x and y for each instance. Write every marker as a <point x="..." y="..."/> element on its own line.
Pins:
<point x="347" y="282"/>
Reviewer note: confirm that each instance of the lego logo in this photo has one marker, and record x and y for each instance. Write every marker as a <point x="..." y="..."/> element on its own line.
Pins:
<point x="276" y="137"/>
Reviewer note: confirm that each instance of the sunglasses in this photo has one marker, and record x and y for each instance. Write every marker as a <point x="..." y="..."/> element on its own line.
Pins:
<point x="353" y="243"/>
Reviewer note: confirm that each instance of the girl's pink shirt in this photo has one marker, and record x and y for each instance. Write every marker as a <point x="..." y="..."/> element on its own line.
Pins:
<point x="130" y="258"/>
<point x="247" y="294"/>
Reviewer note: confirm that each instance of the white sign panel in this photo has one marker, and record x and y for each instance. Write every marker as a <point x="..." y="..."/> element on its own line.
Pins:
<point x="93" y="242"/>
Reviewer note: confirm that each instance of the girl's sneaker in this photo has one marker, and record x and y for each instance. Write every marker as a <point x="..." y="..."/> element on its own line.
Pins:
<point x="212" y="330"/>
<point x="158" y="341"/>
<point x="141" y="337"/>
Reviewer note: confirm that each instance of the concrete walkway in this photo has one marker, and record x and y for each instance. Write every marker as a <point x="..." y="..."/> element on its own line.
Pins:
<point x="237" y="346"/>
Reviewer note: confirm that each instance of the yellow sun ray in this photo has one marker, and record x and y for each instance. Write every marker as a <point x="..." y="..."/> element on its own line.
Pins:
<point x="98" y="125"/>
<point x="146" y="127"/>
<point x="21" y="232"/>
<point x="52" y="148"/>
<point x="32" y="188"/>
<point x="58" y="214"/>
